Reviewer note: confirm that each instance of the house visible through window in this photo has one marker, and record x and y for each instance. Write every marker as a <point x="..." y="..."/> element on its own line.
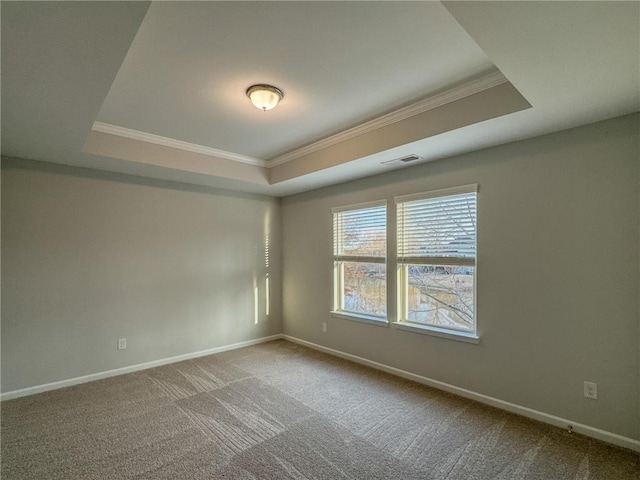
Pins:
<point x="437" y="259"/>
<point x="359" y="255"/>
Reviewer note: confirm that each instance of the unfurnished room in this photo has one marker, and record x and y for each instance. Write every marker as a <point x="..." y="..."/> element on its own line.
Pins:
<point x="320" y="240"/>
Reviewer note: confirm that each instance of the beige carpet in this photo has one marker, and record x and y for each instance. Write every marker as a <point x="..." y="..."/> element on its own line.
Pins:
<point x="281" y="411"/>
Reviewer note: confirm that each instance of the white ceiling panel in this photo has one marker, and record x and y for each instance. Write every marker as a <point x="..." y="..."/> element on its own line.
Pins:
<point x="338" y="63"/>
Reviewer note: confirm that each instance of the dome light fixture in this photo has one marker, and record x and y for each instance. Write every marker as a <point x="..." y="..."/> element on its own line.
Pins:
<point x="264" y="97"/>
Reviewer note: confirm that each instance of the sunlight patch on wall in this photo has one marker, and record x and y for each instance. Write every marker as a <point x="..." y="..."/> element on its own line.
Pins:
<point x="266" y="266"/>
<point x="255" y="305"/>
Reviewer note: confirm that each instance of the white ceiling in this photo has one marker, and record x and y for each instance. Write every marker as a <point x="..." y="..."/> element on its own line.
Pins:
<point x="339" y="64"/>
<point x="158" y="90"/>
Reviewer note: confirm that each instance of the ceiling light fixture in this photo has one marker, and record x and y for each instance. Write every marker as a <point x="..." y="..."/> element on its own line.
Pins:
<point x="264" y="97"/>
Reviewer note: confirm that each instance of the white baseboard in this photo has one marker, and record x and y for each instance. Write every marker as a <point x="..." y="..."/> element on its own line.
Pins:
<point x="564" y="423"/>
<point x="133" y="368"/>
<point x="587" y="430"/>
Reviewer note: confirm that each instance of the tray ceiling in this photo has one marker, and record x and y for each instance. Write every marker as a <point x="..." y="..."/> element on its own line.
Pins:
<point x="158" y="89"/>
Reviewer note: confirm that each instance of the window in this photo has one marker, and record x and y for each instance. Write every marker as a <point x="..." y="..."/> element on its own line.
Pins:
<point x="359" y="260"/>
<point x="437" y="260"/>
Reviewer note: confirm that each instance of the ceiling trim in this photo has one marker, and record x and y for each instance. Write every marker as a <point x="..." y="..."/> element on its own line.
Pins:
<point x="466" y="89"/>
<point x="477" y="85"/>
<point x="173" y="143"/>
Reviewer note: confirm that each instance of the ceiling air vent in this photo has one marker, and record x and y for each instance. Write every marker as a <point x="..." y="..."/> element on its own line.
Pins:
<point x="407" y="159"/>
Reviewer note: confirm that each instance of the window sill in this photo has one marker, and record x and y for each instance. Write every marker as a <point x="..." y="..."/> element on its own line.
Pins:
<point x="356" y="317"/>
<point x="438" y="332"/>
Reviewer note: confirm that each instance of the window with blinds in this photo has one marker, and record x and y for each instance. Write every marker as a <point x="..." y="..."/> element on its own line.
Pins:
<point x="359" y="257"/>
<point x="437" y="258"/>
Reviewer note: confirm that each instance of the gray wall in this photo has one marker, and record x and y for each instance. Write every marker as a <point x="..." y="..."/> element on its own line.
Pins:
<point x="90" y="257"/>
<point x="558" y="276"/>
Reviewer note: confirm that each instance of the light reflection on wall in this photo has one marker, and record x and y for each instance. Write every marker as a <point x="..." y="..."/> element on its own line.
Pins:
<point x="255" y="305"/>
<point x="256" y="281"/>
<point x="266" y="266"/>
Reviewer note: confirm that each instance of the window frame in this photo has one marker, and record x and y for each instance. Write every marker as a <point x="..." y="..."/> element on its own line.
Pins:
<point x="339" y="260"/>
<point x="403" y="263"/>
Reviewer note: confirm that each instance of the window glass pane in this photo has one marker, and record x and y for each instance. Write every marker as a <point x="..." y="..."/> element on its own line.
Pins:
<point x="441" y="296"/>
<point x="365" y="288"/>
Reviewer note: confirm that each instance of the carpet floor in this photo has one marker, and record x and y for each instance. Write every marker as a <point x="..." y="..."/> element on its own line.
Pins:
<point x="282" y="411"/>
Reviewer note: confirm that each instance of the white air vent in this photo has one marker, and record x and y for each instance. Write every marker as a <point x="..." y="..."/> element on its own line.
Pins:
<point x="407" y="159"/>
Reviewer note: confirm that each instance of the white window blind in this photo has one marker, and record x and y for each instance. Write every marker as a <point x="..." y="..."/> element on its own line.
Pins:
<point x="359" y="233"/>
<point x="438" y="228"/>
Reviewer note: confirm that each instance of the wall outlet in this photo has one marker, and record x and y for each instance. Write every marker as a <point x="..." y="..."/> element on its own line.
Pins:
<point x="591" y="390"/>
<point x="324" y="326"/>
<point x="122" y="344"/>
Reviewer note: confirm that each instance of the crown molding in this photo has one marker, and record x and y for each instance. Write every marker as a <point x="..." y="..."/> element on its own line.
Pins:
<point x="172" y="143"/>
<point x="477" y="85"/>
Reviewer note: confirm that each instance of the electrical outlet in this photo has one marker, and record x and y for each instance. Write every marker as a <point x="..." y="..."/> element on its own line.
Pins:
<point x="324" y="326"/>
<point x="122" y="344"/>
<point x="591" y="390"/>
